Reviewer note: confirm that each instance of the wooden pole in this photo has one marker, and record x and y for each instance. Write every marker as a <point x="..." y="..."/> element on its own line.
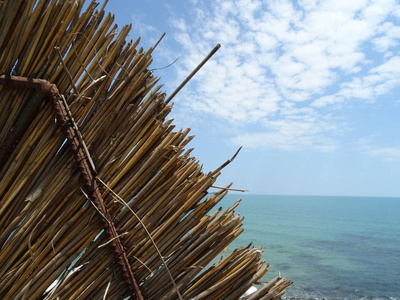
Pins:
<point x="193" y="73"/>
<point x="49" y="92"/>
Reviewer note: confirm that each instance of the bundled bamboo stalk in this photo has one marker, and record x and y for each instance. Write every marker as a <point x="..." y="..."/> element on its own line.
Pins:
<point x="52" y="243"/>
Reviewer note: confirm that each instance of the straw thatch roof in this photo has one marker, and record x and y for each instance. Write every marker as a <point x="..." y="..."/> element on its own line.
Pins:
<point x="99" y="199"/>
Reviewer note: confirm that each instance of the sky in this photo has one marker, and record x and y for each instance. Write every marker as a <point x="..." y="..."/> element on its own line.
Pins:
<point x="310" y="89"/>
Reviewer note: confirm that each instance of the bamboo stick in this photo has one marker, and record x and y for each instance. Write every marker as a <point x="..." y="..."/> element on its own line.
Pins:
<point x="48" y="225"/>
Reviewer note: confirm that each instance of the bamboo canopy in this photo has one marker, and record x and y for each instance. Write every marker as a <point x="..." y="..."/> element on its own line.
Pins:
<point x="99" y="197"/>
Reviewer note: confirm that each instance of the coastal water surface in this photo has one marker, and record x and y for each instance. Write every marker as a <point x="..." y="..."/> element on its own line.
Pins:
<point x="331" y="247"/>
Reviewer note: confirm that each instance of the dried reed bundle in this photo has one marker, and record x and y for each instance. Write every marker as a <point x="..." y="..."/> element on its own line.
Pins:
<point x="52" y="240"/>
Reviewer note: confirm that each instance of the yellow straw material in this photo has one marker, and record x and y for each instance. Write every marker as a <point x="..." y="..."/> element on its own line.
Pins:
<point x="52" y="242"/>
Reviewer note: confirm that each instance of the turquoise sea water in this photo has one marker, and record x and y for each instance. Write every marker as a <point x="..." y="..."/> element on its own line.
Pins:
<point x="331" y="247"/>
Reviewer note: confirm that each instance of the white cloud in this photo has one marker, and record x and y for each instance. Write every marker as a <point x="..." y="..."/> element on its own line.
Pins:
<point x="140" y="26"/>
<point x="312" y="55"/>
<point x="386" y="153"/>
<point x="378" y="81"/>
<point x="290" y="134"/>
<point x="388" y="37"/>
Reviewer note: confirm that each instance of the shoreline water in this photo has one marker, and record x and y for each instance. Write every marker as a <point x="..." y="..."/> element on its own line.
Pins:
<point x="331" y="247"/>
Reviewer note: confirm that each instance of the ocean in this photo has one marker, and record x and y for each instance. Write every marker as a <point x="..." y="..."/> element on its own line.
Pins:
<point x="331" y="247"/>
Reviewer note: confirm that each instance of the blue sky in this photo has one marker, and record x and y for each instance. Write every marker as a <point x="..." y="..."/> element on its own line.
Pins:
<point x="310" y="89"/>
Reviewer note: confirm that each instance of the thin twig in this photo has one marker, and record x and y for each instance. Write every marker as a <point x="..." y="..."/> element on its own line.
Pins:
<point x="159" y="40"/>
<point x="82" y="95"/>
<point x="227" y="162"/>
<point x="79" y="60"/>
<point x="95" y="50"/>
<point x="147" y="232"/>
<point x="228" y="189"/>
<point x="31" y="250"/>
<point x="66" y="69"/>
<point x="143" y="264"/>
<point x="118" y="236"/>
<point x="79" y="135"/>
<point x="165" y="66"/>
<point x="193" y="73"/>
<point x="104" y="217"/>
<point x="107" y="288"/>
